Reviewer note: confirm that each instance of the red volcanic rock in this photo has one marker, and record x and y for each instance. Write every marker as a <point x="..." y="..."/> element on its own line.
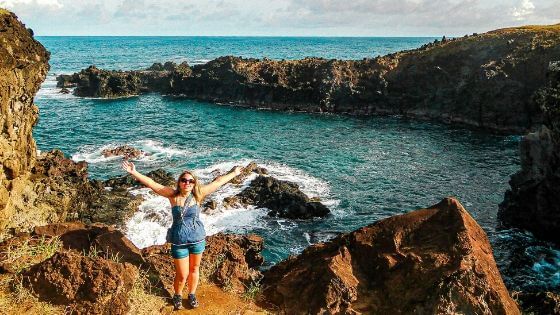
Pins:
<point x="430" y="261"/>
<point x="89" y="285"/>
<point x="231" y="260"/>
<point x="105" y="240"/>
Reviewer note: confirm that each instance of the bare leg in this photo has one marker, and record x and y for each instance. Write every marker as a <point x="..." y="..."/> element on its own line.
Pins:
<point x="181" y="273"/>
<point x="194" y="264"/>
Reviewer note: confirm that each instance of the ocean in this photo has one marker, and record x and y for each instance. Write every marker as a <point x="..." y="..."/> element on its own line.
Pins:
<point x="363" y="168"/>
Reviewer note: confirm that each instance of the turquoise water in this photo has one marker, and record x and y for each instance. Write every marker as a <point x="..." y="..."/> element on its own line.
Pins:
<point x="365" y="169"/>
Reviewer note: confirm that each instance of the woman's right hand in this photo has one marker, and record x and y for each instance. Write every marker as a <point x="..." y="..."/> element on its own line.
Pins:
<point x="128" y="167"/>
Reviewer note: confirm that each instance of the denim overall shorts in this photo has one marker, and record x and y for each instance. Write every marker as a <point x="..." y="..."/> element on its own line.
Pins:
<point x="187" y="234"/>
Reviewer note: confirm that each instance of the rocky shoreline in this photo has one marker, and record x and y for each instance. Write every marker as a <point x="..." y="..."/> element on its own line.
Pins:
<point x="485" y="80"/>
<point x="433" y="260"/>
<point x="533" y="202"/>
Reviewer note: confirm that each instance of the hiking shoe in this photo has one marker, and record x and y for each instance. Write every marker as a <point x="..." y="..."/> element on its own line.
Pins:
<point x="193" y="301"/>
<point x="177" y="302"/>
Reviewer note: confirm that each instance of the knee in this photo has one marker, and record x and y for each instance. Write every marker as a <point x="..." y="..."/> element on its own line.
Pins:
<point x="194" y="269"/>
<point x="181" y="277"/>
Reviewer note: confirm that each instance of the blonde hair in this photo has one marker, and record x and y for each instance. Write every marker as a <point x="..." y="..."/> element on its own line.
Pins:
<point x="197" y="194"/>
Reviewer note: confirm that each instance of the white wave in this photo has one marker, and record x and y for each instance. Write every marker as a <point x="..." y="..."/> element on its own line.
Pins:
<point x="549" y="267"/>
<point x="154" y="151"/>
<point x="199" y="61"/>
<point x="49" y="90"/>
<point x="149" y="225"/>
<point x="92" y="154"/>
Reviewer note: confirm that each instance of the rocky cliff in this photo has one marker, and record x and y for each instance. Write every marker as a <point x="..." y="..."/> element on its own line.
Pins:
<point x="483" y="80"/>
<point x="23" y="66"/>
<point x="533" y="202"/>
<point x="36" y="190"/>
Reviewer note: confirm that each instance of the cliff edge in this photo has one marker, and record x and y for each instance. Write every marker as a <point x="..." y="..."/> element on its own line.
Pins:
<point x="533" y="202"/>
<point x="23" y="67"/>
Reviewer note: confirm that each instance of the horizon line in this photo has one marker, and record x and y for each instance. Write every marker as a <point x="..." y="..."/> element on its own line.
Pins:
<point x="298" y="36"/>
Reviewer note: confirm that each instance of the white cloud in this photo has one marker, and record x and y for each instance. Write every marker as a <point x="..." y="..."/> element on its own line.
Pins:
<point x="521" y="12"/>
<point x="12" y="4"/>
<point x="280" y="17"/>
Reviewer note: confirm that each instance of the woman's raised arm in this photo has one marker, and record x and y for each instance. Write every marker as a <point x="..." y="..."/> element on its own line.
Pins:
<point x="220" y="181"/>
<point x="148" y="182"/>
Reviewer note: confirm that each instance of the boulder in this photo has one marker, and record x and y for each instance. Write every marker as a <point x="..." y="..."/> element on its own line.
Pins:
<point x="430" y="261"/>
<point x="231" y="260"/>
<point x="88" y="285"/>
<point x="53" y="164"/>
<point x="125" y="151"/>
<point x="104" y="240"/>
<point x="156" y="66"/>
<point x="284" y="199"/>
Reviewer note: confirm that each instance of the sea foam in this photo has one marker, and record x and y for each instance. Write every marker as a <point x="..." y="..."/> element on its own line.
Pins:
<point x="149" y="224"/>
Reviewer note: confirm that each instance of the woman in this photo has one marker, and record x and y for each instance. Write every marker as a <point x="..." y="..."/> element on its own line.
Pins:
<point x="187" y="235"/>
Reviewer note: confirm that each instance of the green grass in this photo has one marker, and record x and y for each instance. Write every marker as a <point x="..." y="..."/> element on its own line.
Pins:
<point x="142" y="298"/>
<point x="93" y="252"/>
<point x="15" y="298"/>
<point x="252" y="290"/>
<point x="208" y="269"/>
<point x="31" y="252"/>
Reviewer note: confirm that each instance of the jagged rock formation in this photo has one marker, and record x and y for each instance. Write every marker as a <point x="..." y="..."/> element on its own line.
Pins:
<point x="23" y="66"/>
<point x="430" y="261"/>
<point x="533" y="203"/>
<point x="484" y="80"/>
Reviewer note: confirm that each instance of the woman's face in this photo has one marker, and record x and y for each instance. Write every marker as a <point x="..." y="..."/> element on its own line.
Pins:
<point x="186" y="183"/>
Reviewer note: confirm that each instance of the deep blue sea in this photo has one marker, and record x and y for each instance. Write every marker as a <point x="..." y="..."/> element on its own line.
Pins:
<point x="364" y="169"/>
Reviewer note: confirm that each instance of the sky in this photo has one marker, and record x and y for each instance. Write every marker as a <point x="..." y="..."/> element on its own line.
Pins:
<point x="280" y="17"/>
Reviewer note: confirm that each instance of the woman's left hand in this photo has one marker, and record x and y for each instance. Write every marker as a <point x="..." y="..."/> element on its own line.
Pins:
<point x="237" y="170"/>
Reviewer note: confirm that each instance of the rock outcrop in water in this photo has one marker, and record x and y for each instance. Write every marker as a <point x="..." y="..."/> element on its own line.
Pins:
<point x="533" y="203"/>
<point x="484" y="80"/>
<point x="430" y="261"/>
<point x="283" y="199"/>
<point x="125" y="151"/>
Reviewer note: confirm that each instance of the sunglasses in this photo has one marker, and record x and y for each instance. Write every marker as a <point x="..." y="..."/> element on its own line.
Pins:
<point x="187" y="181"/>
